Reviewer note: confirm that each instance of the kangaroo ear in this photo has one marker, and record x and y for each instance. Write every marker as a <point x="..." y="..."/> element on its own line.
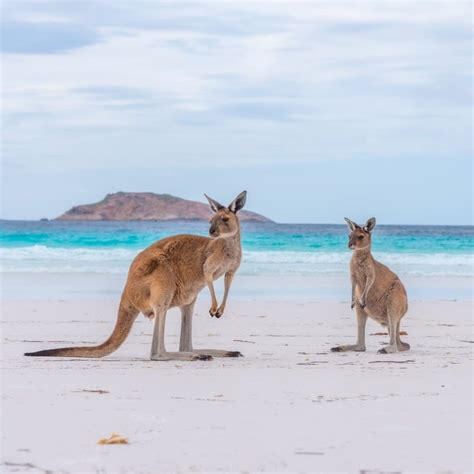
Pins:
<point x="369" y="226"/>
<point x="238" y="203"/>
<point x="352" y="225"/>
<point x="214" y="205"/>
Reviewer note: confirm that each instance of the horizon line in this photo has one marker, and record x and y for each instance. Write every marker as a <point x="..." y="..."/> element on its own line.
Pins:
<point x="242" y="222"/>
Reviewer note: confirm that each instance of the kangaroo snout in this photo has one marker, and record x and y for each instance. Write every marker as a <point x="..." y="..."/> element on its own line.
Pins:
<point x="213" y="231"/>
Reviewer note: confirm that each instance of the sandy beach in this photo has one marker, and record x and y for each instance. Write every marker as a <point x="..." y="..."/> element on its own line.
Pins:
<point x="288" y="405"/>
<point x="301" y="156"/>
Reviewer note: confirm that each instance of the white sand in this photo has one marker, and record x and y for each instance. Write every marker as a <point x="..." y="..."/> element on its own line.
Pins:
<point x="288" y="405"/>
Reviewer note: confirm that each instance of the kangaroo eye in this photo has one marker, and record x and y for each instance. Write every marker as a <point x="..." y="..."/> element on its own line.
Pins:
<point x="225" y="219"/>
<point x="360" y="237"/>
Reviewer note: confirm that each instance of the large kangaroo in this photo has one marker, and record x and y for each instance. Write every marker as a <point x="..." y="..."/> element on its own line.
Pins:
<point x="376" y="291"/>
<point x="169" y="273"/>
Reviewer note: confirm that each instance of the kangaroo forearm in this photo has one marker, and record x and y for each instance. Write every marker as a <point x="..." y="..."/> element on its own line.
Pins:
<point x="227" y="282"/>
<point x="210" y="285"/>
<point x="353" y="288"/>
<point x="368" y="286"/>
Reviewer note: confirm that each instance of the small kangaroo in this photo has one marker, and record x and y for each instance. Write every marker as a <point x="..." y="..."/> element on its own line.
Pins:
<point x="170" y="273"/>
<point x="376" y="291"/>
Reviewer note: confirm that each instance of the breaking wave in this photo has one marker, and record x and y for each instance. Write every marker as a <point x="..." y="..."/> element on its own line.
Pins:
<point x="40" y="258"/>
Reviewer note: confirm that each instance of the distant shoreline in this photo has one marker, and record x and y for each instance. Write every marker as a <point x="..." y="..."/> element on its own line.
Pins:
<point x="250" y="221"/>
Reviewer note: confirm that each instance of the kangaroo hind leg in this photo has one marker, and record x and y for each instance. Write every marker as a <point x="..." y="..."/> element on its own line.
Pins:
<point x="158" y="349"/>
<point x="393" y="326"/>
<point x="186" y="337"/>
<point x="186" y="343"/>
<point x="359" y="346"/>
<point x="402" y="346"/>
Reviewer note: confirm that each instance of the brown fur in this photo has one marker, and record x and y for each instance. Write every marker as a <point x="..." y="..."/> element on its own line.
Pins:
<point x="170" y="273"/>
<point x="377" y="292"/>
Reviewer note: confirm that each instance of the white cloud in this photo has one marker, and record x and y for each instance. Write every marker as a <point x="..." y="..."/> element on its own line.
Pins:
<point x="38" y="17"/>
<point x="267" y="82"/>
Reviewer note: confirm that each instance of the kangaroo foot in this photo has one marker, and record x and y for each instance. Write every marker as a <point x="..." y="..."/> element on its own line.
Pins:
<point x="350" y="347"/>
<point x="219" y="353"/>
<point x="181" y="356"/>
<point x="388" y="349"/>
<point x="403" y="346"/>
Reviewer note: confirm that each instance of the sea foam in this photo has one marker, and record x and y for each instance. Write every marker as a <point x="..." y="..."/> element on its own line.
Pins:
<point x="40" y="258"/>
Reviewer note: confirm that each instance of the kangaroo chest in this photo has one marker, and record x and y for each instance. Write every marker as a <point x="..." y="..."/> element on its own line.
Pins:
<point x="229" y="264"/>
<point x="360" y="270"/>
<point x="360" y="279"/>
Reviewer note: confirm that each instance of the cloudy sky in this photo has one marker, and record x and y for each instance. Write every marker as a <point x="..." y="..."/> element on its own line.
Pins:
<point x="319" y="109"/>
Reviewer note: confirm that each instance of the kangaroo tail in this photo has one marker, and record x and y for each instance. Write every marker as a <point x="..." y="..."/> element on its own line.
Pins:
<point x="126" y="317"/>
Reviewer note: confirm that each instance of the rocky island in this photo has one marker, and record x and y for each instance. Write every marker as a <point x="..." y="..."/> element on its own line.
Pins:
<point x="123" y="206"/>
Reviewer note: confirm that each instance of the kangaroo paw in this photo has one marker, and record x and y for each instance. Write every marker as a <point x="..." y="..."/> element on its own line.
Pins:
<point x="352" y="347"/>
<point x="388" y="350"/>
<point x="234" y="354"/>
<point x="202" y="357"/>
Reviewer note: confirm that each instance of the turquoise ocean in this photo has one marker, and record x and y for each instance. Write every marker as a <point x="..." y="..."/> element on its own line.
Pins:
<point x="268" y="249"/>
